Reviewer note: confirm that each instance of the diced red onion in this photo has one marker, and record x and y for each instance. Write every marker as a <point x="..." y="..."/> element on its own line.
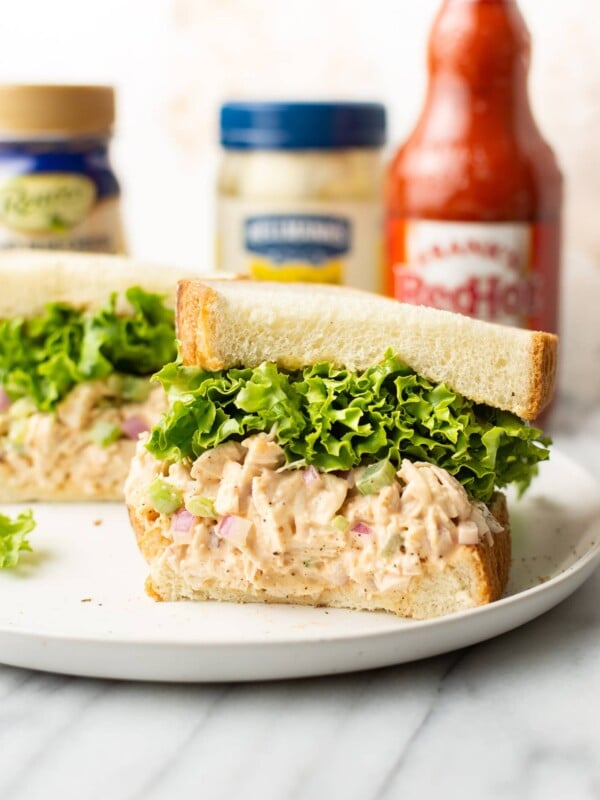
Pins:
<point x="181" y="527"/>
<point x="361" y="529"/>
<point x="182" y="520"/>
<point x="235" y="529"/>
<point x="133" y="426"/>
<point x="5" y="403"/>
<point x="310" y="475"/>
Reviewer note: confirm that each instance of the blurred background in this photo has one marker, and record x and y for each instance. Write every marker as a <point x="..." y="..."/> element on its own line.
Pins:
<point x="174" y="61"/>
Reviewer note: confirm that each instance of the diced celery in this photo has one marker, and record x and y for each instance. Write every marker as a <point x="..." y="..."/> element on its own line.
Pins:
<point x="17" y="433"/>
<point x="201" y="507"/>
<point x="21" y="408"/>
<point x="135" y="389"/>
<point x="375" y="477"/>
<point x="129" y="387"/>
<point x="105" y="433"/>
<point x="341" y="524"/>
<point x="115" y="382"/>
<point x="392" y="545"/>
<point x="164" y="497"/>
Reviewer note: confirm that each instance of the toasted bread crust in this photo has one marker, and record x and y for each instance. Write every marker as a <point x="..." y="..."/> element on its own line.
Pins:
<point x="148" y="533"/>
<point x="544" y="358"/>
<point x="221" y="325"/>
<point x="196" y="312"/>
<point x="494" y="561"/>
<point x="474" y="575"/>
<point x="196" y="305"/>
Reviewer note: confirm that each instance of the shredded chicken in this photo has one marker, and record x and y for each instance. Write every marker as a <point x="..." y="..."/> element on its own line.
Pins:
<point x="54" y="453"/>
<point x="383" y="539"/>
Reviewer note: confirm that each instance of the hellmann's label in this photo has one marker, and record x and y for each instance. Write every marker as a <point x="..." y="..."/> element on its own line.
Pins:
<point x="58" y="210"/>
<point x="484" y="270"/>
<point x="313" y="242"/>
<point x="297" y="247"/>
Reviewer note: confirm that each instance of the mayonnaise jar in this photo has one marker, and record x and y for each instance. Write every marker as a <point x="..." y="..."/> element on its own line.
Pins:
<point x="299" y="192"/>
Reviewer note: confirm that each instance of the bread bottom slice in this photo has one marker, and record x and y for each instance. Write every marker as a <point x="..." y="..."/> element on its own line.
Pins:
<point x="474" y="575"/>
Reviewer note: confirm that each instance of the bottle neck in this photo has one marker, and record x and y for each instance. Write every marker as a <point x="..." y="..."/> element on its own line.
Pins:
<point x="478" y="66"/>
<point x="458" y="103"/>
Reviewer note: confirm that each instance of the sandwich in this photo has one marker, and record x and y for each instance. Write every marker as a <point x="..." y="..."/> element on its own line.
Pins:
<point x="80" y="336"/>
<point x="329" y="447"/>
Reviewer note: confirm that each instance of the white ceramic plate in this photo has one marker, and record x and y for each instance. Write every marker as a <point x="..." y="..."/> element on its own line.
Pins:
<point x="76" y="605"/>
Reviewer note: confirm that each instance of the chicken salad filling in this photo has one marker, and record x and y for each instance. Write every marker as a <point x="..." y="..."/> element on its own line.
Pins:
<point x="87" y="442"/>
<point x="239" y="513"/>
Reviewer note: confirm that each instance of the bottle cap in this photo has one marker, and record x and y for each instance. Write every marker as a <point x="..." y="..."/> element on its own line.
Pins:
<point x="302" y="125"/>
<point x="54" y="110"/>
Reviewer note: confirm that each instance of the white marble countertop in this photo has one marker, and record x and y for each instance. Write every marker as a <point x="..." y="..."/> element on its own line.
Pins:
<point x="515" y="717"/>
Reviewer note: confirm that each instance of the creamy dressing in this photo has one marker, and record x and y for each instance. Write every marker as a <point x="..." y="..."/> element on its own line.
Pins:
<point x="291" y="537"/>
<point x="55" y="452"/>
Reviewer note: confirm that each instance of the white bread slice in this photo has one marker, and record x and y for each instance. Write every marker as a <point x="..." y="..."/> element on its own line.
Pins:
<point x="223" y="324"/>
<point x="474" y="575"/>
<point x="32" y="278"/>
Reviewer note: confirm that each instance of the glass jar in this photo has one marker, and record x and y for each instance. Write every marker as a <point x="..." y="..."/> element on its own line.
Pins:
<point x="300" y="192"/>
<point x="57" y="186"/>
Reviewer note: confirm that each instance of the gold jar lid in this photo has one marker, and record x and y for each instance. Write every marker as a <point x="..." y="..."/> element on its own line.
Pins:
<point x="68" y="110"/>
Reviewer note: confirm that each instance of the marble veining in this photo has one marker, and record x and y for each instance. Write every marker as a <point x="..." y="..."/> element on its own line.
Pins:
<point x="511" y="718"/>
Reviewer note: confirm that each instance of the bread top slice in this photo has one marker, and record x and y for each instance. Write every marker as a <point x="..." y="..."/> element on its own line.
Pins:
<point x="223" y="324"/>
<point x="32" y="278"/>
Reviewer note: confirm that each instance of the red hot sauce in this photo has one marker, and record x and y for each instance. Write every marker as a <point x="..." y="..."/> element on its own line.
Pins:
<point x="474" y="196"/>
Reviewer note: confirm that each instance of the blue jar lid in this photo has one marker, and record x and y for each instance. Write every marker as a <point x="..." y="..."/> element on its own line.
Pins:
<point x="302" y="125"/>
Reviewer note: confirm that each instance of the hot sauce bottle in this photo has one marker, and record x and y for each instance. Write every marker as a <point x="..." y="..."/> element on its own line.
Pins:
<point x="474" y="196"/>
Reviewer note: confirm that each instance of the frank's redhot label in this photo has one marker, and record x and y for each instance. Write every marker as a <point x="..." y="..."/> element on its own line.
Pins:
<point x="504" y="272"/>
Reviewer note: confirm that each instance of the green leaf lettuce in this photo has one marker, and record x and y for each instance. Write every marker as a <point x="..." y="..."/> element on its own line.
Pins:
<point x="45" y="357"/>
<point x="13" y="537"/>
<point x="337" y="419"/>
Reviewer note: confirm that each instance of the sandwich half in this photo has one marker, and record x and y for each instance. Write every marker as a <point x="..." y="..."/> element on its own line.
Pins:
<point x="80" y="336"/>
<point x="328" y="447"/>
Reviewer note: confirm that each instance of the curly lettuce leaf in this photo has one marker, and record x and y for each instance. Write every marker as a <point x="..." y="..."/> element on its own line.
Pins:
<point x="13" y="537"/>
<point x="337" y="419"/>
<point x="46" y="357"/>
